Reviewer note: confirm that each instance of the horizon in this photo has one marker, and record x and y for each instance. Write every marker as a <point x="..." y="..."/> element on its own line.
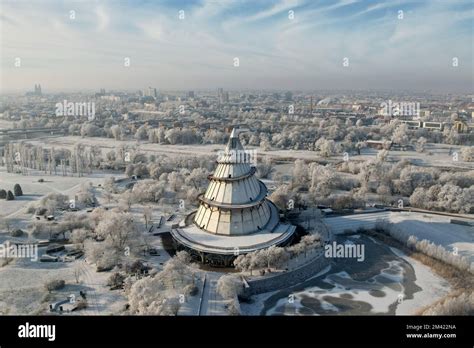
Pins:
<point x="336" y="91"/>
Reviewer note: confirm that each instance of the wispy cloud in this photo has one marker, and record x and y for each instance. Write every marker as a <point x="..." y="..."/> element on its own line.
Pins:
<point x="274" y="50"/>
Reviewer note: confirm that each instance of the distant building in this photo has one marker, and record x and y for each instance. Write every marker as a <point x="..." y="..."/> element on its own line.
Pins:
<point x="37" y="92"/>
<point x="222" y="96"/>
<point x="149" y="92"/>
<point x="225" y="97"/>
<point x="190" y="94"/>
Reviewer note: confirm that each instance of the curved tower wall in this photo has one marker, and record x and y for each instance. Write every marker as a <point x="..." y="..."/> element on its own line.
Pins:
<point x="235" y="201"/>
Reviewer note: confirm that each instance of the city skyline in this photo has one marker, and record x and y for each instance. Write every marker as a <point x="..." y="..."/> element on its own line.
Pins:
<point x="196" y="48"/>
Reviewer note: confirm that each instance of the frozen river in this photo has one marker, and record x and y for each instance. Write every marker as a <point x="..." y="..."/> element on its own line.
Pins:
<point x="387" y="282"/>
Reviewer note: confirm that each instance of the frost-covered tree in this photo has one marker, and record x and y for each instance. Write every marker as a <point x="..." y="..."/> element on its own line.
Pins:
<point x="325" y="147"/>
<point x="79" y="235"/>
<point x="459" y="303"/>
<point x="229" y="286"/>
<point x="400" y="134"/>
<point x="467" y="154"/>
<point x="117" y="132"/>
<point x="119" y="229"/>
<point x="382" y="155"/>
<point x="310" y="242"/>
<point x="420" y="144"/>
<point x="265" y="168"/>
<point x="265" y="143"/>
<point x="86" y="197"/>
<point x="242" y="263"/>
<point x="183" y="257"/>
<point x="141" y="133"/>
<point x="384" y="192"/>
<point x="300" y="172"/>
<point x="109" y="185"/>
<point x="90" y="130"/>
<point x="275" y="256"/>
<point x="159" y="293"/>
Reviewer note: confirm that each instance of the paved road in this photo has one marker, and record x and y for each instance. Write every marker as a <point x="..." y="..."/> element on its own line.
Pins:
<point x="92" y="297"/>
<point x="211" y="300"/>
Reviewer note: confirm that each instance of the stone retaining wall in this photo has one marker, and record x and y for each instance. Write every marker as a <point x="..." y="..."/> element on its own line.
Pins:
<point x="286" y="279"/>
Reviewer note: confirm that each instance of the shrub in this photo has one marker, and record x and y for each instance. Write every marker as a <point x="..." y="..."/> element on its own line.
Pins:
<point x="3" y="194"/>
<point x="17" y="233"/>
<point x="454" y="304"/>
<point x="135" y="267"/>
<point x="81" y="305"/>
<point x="41" y="211"/>
<point x="191" y="290"/>
<point x="52" y="202"/>
<point x="17" y="190"/>
<point x="10" y="196"/>
<point x="55" y="285"/>
<point x="234" y="308"/>
<point x="115" y="280"/>
<point x="467" y="154"/>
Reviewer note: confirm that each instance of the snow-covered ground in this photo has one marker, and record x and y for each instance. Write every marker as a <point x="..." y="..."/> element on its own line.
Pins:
<point x="433" y="286"/>
<point x="22" y="282"/>
<point x="22" y="288"/>
<point x="435" y="228"/>
<point x="438" y="230"/>
<point x="34" y="190"/>
<point x="435" y="155"/>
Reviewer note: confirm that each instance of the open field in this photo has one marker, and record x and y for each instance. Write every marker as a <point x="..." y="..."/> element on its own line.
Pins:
<point x="435" y="228"/>
<point x="436" y="155"/>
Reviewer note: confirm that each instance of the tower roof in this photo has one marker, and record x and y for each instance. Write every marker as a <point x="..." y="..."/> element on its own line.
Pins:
<point x="234" y="143"/>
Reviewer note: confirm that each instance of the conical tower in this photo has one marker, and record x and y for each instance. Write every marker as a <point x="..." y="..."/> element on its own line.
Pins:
<point x="234" y="215"/>
<point x="235" y="201"/>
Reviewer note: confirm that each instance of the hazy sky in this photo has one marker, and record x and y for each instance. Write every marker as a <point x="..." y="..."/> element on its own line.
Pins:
<point x="274" y="51"/>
